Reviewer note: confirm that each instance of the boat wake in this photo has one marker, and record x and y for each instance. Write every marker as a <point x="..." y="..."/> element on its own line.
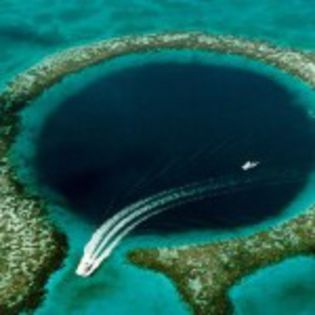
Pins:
<point x="108" y="236"/>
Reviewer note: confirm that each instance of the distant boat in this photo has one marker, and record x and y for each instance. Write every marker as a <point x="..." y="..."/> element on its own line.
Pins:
<point x="248" y="165"/>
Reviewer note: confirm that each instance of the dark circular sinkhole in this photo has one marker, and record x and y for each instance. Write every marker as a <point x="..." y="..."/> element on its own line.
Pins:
<point x="144" y="129"/>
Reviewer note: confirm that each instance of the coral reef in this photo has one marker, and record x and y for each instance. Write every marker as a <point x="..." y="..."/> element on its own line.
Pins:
<point x="31" y="247"/>
<point x="33" y="81"/>
<point x="204" y="273"/>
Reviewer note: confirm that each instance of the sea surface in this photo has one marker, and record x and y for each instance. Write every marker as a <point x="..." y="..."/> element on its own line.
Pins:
<point x="119" y="132"/>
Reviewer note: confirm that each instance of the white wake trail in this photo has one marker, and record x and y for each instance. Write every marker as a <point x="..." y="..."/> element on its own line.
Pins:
<point x="111" y="222"/>
<point x="115" y="242"/>
<point x="171" y="198"/>
<point x="109" y="235"/>
<point x="112" y="241"/>
<point x="128" y="214"/>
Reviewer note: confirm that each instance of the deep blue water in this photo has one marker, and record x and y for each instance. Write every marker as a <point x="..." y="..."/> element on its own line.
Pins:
<point x="138" y="131"/>
<point x="30" y="30"/>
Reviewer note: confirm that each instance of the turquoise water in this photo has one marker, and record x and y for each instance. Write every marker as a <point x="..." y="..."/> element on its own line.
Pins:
<point x="30" y="30"/>
<point x="118" y="287"/>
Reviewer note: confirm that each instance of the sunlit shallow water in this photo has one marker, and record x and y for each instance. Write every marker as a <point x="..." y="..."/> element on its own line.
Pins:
<point x="145" y="292"/>
<point x="30" y="30"/>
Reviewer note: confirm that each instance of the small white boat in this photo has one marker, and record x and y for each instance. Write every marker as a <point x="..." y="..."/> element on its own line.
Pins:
<point x="248" y="165"/>
<point x="85" y="267"/>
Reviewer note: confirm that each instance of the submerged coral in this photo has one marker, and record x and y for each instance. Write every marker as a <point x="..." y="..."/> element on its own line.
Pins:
<point x="204" y="273"/>
<point x="32" y="246"/>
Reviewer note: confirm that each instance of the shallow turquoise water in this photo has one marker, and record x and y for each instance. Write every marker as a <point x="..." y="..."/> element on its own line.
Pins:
<point x="119" y="288"/>
<point x="30" y="30"/>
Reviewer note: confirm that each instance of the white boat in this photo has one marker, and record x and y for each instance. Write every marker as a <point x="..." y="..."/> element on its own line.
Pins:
<point x="248" y="165"/>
